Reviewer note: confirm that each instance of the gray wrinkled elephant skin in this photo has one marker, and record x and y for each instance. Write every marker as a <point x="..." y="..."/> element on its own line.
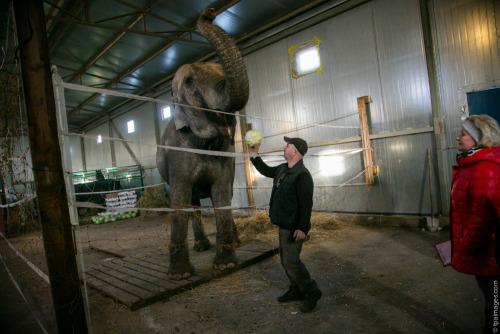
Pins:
<point x="195" y="176"/>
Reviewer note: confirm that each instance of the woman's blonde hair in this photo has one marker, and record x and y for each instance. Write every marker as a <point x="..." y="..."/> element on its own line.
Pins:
<point x="489" y="129"/>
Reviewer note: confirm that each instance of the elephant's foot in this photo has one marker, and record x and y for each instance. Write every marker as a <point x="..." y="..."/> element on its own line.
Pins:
<point x="202" y="245"/>
<point x="180" y="265"/>
<point x="225" y="259"/>
<point x="178" y="277"/>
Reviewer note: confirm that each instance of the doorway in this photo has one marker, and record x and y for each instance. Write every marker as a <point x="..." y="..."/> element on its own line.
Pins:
<point x="485" y="102"/>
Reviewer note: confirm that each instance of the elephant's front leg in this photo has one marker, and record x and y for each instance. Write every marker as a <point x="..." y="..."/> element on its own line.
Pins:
<point x="180" y="265"/>
<point x="225" y="258"/>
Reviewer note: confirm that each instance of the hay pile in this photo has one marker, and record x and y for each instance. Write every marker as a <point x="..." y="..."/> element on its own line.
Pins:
<point x="153" y="197"/>
<point x="258" y="227"/>
<point x="325" y="225"/>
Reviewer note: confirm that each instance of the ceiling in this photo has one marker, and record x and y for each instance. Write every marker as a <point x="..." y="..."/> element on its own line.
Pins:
<point x="135" y="46"/>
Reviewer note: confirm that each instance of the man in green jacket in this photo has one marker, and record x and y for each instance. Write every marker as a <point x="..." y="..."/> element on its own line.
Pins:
<point x="290" y="209"/>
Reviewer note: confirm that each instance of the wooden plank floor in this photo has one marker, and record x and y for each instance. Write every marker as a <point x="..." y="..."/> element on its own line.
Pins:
<point x="138" y="282"/>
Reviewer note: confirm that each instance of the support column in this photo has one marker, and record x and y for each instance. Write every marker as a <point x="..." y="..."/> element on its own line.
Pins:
<point x="112" y="144"/>
<point x="156" y="123"/>
<point x="248" y="173"/>
<point x="84" y="157"/>
<point x="47" y="168"/>
<point x="439" y="139"/>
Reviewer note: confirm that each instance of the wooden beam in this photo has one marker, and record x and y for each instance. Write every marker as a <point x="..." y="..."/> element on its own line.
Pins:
<point x="338" y="141"/>
<point x="365" y="140"/>
<point x="248" y="169"/>
<point x="47" y="168"/>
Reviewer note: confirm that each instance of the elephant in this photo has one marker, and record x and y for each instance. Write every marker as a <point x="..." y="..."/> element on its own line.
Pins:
<point x="223" y="87"/>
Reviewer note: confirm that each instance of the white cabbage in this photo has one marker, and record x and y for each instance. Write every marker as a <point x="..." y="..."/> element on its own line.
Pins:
<point x="253" y="137"/>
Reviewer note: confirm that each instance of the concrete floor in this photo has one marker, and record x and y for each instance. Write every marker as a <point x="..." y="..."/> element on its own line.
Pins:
<point x="380" y="279"/>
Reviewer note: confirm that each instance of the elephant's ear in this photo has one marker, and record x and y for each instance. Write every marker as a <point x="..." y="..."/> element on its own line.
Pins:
<point x="179" y="118"/>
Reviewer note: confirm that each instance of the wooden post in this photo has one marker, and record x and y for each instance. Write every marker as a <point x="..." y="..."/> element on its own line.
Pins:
<point x="47" y="167"/>
<point x="248" y="173"/>
<point x="2" y="222"/>
<point x="370" y="170"/>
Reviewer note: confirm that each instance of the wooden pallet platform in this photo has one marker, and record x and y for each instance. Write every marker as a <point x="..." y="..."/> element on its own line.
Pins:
<point x="138" y="282"/>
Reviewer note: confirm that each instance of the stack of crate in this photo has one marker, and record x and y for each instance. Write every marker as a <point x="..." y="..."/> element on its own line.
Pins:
<point x="116" y="202"/>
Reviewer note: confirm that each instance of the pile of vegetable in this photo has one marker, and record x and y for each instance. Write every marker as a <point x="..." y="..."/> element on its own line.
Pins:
<point x="112" y="217"/>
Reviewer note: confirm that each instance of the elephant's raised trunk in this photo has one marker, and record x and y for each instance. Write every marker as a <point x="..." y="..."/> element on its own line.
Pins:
<point x="232" y="62"/>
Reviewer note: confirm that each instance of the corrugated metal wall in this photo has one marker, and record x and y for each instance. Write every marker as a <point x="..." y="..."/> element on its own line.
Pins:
<point x="141" y="142"/>
<point x="376" y="49"/>
<point x="466" y="37"/>
<point x="98" y="155"/>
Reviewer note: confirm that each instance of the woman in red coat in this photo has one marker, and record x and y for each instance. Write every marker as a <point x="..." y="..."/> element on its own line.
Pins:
<point x="475" y="210"/>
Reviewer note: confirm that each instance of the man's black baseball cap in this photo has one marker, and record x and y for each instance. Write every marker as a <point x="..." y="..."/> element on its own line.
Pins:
<point x="299" y="143"/>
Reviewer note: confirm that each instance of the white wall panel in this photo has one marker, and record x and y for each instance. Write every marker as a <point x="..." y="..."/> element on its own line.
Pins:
<point x="375" y="50"/>
<point x="270" y="94"/>
<point x="403" y="71"/>
<point x="468" y="59"/>
<point x="97" y="155"/>
<point x="351" y="65"/>
<point x="75" y="148"/>
<point x="142" y="141"/>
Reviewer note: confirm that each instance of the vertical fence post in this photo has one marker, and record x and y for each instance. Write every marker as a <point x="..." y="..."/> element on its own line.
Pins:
<point x="47" y="167"/>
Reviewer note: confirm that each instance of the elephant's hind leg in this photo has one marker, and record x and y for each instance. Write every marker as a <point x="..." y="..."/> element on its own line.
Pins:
<point x="201" y="242"/>
<point x="236" y="234"/>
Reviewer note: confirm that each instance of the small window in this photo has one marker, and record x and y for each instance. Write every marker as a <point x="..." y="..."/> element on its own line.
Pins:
<point x="130" y="126"/>
<point x="305" y="58"/>
<point x="99" y="139"/>
<point x="165" y="112"/>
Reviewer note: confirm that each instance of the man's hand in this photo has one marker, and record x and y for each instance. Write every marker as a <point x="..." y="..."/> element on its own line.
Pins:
<point x="255" y="149"/>
<point x="299" y="235"/>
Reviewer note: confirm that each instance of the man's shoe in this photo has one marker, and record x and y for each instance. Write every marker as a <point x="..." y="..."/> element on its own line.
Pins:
<point x="310" y="303"/>
<point x="291" y="295"/>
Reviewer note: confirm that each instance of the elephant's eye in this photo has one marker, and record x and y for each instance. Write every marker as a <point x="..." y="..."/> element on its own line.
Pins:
<point x="220" y="86"/>
<point x="189" y="82"/>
